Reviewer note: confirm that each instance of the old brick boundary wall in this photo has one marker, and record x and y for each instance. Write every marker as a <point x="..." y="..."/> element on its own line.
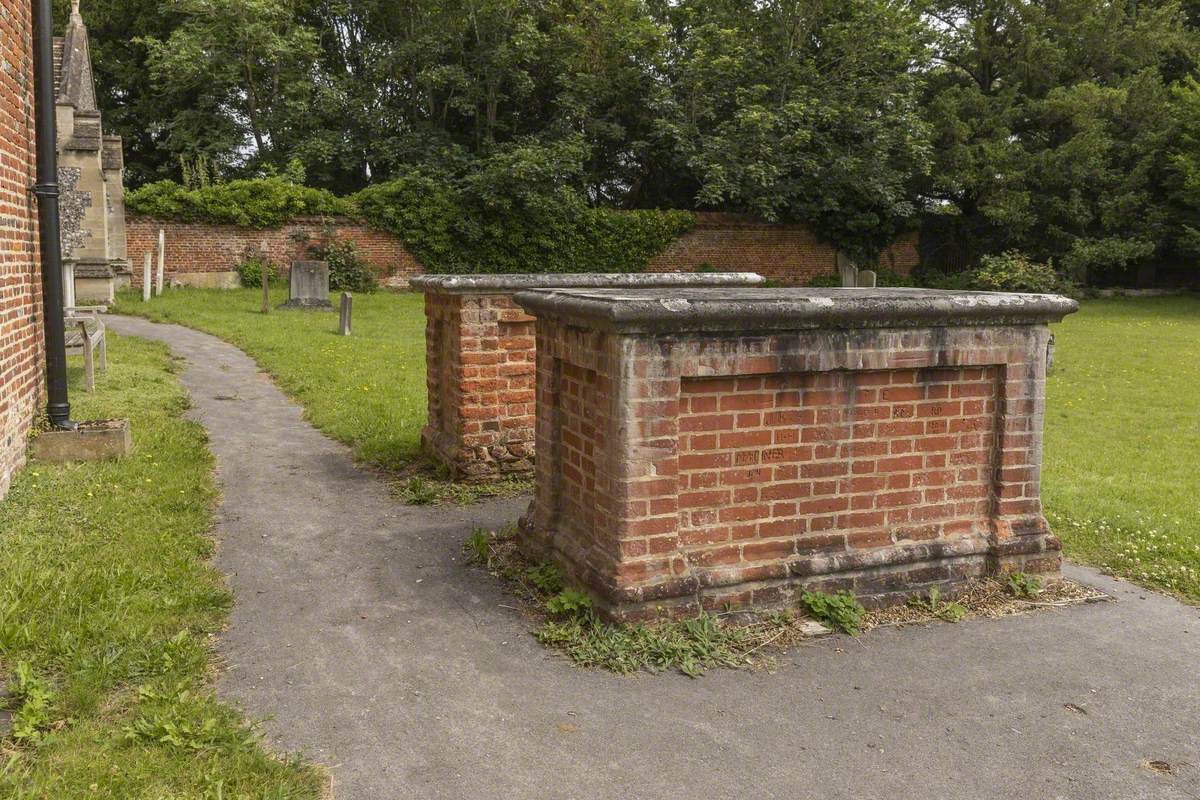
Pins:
<point x="787" y="255"/>
<point x="207" y="255"/>
<point x="20" y="280"/>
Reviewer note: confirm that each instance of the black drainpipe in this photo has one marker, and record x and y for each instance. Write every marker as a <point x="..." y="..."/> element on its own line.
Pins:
<point x="58" y="408"/>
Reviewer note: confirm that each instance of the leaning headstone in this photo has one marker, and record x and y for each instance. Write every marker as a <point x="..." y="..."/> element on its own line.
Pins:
<point x="344" y="320"/>
<point x="867" y="278"/>
<point x="308" y="285"/>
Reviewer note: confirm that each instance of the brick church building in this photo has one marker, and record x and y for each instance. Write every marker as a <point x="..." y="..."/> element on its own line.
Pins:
<point x="21" y="352"/>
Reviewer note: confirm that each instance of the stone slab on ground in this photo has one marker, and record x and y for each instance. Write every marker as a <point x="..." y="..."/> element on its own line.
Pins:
<point x="92" y="441"/>
<point x="371" y="646"/>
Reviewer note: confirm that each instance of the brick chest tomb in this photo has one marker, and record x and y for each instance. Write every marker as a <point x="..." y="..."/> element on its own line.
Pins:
<point x="479" y="351"/>
<point x="712" y="448"/>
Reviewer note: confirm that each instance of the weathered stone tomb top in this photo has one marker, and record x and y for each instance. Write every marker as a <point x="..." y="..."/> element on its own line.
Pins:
<point x="752" y="308"/>
<point x="507" y="284"/>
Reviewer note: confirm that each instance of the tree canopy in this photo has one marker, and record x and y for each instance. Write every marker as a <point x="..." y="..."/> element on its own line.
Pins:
<point x="1066" y="129"/>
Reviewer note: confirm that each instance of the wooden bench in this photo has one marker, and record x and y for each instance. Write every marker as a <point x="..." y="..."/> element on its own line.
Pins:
<point x="85" y="336"/>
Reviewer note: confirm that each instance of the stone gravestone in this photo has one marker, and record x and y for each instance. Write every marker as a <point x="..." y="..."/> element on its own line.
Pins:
<point x="847" y="270"/>
<point x="344" y="319"/>
<point x="308" y="285"/>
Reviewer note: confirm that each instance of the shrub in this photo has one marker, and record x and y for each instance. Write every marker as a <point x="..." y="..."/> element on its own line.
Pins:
<point x="1012" y="271"/>
<point x="252" y="203"/>
<point x="936" y="279"/>
<point x="250" y="271"/>
<point x="513" y="214"/>
<point x="885" y="276"/>
<point x="348" y="272"/>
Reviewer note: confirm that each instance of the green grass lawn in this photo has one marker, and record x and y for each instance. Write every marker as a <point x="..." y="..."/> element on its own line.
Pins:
<point x="107" y="604"/>
<point x="1122" y="428"/>
<point x="367" y="390"/>
<point x="1122" y="460"/>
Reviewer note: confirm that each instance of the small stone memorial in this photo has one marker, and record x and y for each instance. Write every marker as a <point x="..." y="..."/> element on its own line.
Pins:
<point x="308" y="286"/>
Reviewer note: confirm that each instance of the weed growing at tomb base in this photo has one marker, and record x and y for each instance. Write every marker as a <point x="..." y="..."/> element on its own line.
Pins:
<point x="430" y="484"/>
<point x="932" y="603"/>
<point x="418" y="492"/>
<point x="840" y="611"/>
<point x="1022" y="585"/>
<point x="567" y="622"/>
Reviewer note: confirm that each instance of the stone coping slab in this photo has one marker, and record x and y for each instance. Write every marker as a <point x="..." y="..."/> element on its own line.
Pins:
<point x="753" y="308"/>
<point x="492" y="284"/>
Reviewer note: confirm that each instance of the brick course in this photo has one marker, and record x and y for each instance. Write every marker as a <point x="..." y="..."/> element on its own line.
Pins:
<point x="688" y="471"/>
<point x="197" y="249"/>
<point x="787" y="255"/>
<point x="20" y="280"/>
<point x="480" y="373"/>
<point x="479" y="352"/>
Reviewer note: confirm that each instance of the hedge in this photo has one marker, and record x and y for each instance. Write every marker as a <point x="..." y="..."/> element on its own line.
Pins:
<point x="251" y="203"/>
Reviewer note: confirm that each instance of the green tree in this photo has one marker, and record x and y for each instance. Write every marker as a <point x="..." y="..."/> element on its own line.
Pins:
<point x="800" y="110"/>
<point x="1050" y="121"/>
<point x="423" y="83"/>
<point x="146" y="115"/>
<point x="1184" y="155"/>
<point x="248" y="58"/>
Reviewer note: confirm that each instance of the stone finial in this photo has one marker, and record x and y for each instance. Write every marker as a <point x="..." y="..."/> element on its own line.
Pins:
<point x="75" y="15"/>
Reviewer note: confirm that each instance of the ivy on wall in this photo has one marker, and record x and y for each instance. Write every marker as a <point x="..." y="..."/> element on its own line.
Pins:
<point x="450" y="226"/>
<point x="251" y="203"/>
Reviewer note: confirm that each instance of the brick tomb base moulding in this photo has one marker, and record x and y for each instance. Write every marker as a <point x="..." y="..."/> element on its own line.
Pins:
<point x="706" y="448"/>
<point x="479" y="351"/>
